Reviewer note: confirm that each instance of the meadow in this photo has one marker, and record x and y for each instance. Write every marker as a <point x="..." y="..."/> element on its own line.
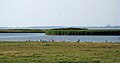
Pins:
<point x="59" y="52"/>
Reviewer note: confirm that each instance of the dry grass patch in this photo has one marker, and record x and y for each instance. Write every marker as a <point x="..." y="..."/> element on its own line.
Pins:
<point x="59" y="52"/>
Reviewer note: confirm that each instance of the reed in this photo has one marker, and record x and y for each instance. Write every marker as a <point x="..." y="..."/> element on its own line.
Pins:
<point x="82" y="32"/>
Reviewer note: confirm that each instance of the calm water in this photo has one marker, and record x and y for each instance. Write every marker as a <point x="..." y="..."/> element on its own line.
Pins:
<point x="42" y="36"/>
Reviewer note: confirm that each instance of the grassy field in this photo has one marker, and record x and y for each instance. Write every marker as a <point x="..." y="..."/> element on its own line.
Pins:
<point x="59" y="52"/>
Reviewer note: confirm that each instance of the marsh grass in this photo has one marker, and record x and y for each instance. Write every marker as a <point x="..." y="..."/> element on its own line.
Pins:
<point x="22" y="31"/>
<point x="81" y="32"/>
<point x="59" y="52"/>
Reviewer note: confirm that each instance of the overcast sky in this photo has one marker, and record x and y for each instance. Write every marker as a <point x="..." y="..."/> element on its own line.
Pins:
<point x="59" y="12"/>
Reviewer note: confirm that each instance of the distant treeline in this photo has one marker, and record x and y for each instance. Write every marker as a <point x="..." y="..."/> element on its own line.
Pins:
<point x="82" y="32"/>
<point x="21" y="31"/>
<point x="70" y="29"/>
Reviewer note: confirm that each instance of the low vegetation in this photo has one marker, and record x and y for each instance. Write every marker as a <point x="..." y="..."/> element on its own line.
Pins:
<point x="21" y="31"/>
<point x="70" y="29"/>
<point x="63" y="31"/>
<point x="59" y="52"/>
<point x="81" y="32"/>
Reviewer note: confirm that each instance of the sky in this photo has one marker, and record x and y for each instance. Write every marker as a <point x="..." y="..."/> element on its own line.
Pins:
<point x="59" y="12"/>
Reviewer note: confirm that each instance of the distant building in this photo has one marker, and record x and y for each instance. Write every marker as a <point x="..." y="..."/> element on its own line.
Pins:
<point x="108" y="25"/>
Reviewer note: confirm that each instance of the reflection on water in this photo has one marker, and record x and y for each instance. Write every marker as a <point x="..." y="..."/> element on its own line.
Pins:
<point x="43" y="37"/>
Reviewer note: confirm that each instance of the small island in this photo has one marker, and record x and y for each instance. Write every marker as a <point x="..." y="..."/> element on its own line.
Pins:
<point x="21" y="31"/>
<point x="81" y="31"/>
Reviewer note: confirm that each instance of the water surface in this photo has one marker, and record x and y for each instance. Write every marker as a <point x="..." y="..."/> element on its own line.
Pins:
<point x="43" y="37"/>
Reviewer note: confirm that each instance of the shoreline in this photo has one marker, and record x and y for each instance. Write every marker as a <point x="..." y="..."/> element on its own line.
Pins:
<point x="61" y="41"/>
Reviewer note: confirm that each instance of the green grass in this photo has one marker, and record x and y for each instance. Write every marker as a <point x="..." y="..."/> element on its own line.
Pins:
<point x="59" y="52"/>
<point x="21" y="31"/>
